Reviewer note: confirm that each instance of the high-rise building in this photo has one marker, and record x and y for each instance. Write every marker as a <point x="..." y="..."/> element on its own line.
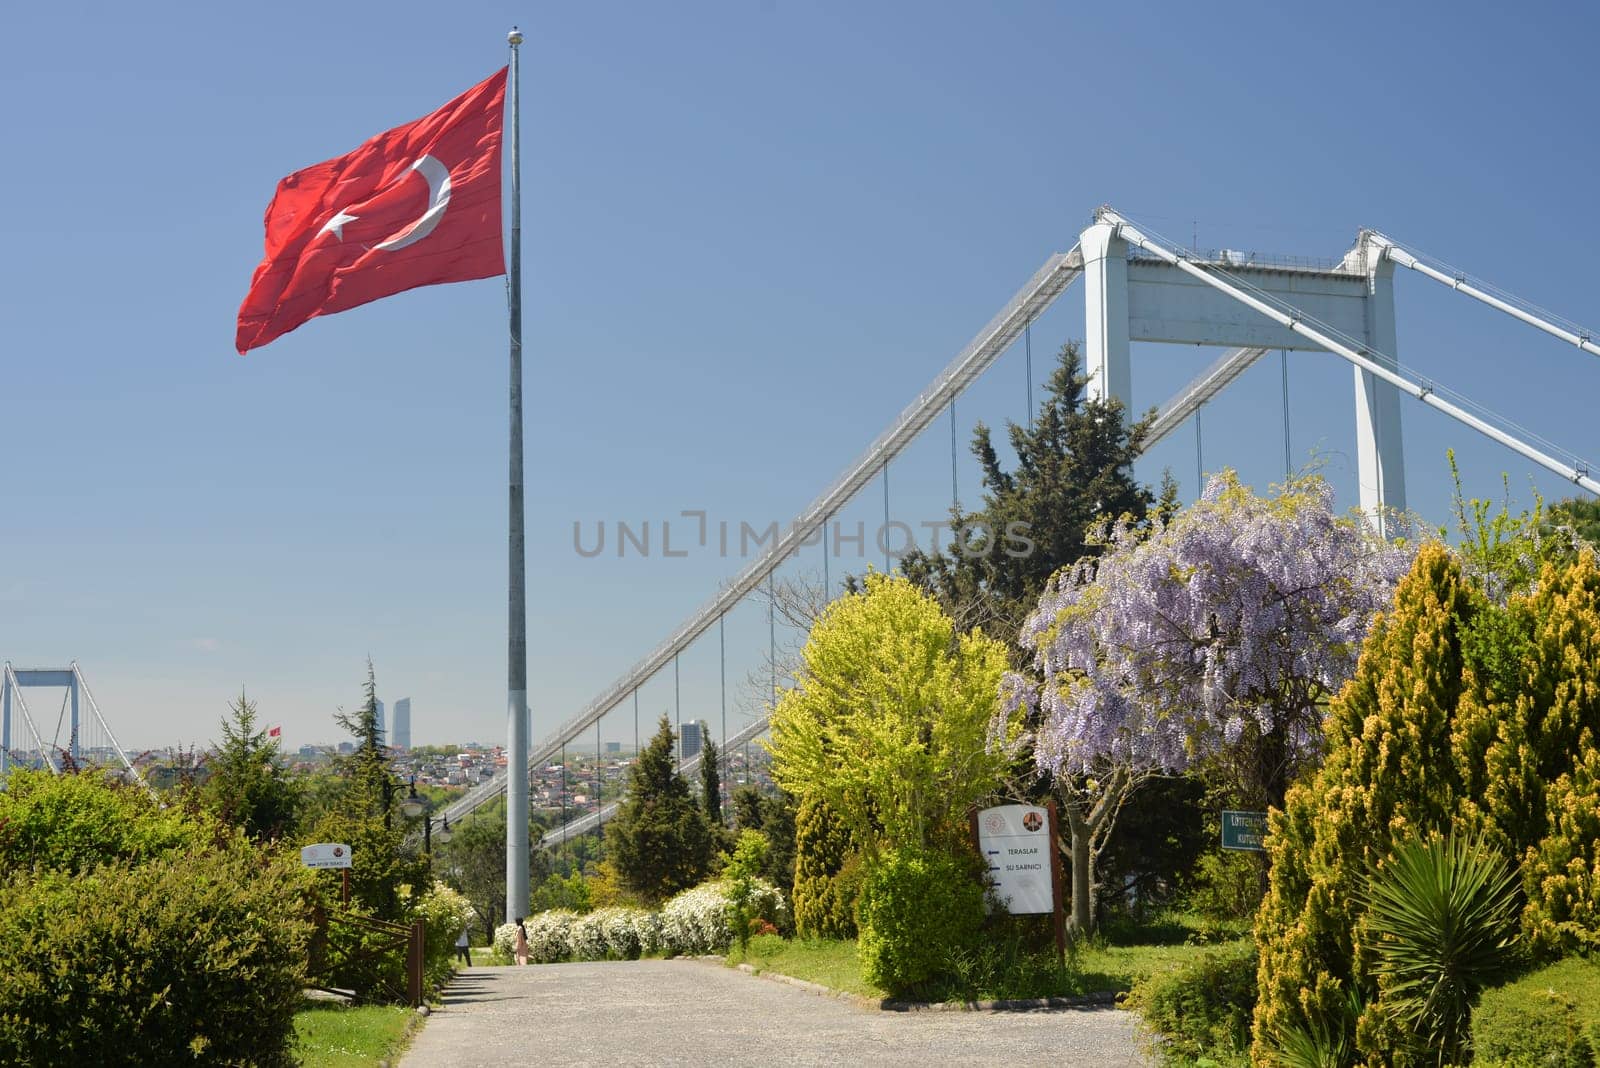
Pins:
<point x="401" y="738"/>
<point x="691" y="739"/>
<point x="383" y="733"/>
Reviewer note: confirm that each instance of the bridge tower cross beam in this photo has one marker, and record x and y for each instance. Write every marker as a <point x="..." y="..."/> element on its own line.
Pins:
<point x="1150" y="300"/>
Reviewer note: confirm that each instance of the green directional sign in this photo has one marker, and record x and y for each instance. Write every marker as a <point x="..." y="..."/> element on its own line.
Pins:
<point x="1244" y="830"/>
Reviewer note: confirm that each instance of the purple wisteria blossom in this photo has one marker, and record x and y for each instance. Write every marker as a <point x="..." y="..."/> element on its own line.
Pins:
<point x="1213" y="636"/>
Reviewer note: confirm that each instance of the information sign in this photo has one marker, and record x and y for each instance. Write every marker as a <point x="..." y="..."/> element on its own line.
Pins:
<point x="1015" y="841"/>
<point x="326" y="855"/>
<point x="1244" y="831"/>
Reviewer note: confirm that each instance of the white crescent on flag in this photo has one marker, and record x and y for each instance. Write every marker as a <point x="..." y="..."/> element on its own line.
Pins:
<point x="438" y="176"/>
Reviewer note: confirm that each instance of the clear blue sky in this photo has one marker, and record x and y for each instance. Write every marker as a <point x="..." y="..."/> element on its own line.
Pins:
<point x="753" y="231"/>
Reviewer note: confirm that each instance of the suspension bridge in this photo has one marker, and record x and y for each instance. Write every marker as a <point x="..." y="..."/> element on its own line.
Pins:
<point x="81" y="737"/>
<point x="1138" y="287"/>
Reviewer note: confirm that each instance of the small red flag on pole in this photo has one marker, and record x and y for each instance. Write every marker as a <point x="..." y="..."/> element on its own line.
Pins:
<point x="416" y="206"/>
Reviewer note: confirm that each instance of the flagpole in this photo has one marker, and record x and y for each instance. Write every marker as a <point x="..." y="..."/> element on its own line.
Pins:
<point x="517" y="630"/>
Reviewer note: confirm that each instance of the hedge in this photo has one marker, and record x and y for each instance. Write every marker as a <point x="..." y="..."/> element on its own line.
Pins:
<point x="1550" y="1017"/>
<point x="1204" y="1007"/>
<point x="176" y="960"/>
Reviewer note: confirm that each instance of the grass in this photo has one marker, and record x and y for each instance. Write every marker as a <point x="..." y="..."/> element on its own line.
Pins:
<point x="331" y="1035"/>
<point x="1110" y="962"/>
<point x="831" y="963"/>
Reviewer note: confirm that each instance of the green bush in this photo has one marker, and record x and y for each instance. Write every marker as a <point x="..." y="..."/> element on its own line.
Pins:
<point x="1550" y="1017"/>
<point x="919" y="911"/>
<point x="1227" y="885"/>
<point x="75" y="822"/>
<point x="192" y="959"/>
<point x="1203" y="1008"/>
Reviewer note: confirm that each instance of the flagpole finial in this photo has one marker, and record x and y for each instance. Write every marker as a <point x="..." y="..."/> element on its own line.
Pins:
<point x="515" y="37"/>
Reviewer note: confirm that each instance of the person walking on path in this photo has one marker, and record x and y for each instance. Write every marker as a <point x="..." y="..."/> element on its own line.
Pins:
<point x="462" y="944"/>
<point x="522" y="942"/>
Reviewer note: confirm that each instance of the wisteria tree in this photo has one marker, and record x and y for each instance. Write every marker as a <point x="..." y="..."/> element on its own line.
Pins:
<point x="1207" y="641"/>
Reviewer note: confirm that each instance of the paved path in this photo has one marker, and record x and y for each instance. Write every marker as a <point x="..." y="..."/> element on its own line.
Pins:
<point x="686" y="1012"/>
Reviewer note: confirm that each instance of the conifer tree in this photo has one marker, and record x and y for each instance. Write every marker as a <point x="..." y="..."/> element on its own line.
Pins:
<point x="659" y="842"/>
<point x="710" y="780"/>
<point x="248" y="786"/>
<point x="1389" y="769"/>
<point x="824" y="904"/>
<point x="1074" y="469"/>
<point x="364" y="814"/>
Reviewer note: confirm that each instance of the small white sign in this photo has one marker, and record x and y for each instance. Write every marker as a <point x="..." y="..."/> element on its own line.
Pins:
<point x="326" y="855"/>
<point x="1015" y="840"/>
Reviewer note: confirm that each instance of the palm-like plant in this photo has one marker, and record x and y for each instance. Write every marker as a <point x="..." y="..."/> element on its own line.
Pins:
<point x="1442" y="917"/>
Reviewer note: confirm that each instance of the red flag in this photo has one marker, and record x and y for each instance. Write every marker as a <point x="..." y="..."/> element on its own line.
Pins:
<point x="416" y="206"/>
<point x="275" y="732"/>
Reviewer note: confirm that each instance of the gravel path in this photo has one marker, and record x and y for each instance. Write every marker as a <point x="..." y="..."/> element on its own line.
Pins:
<point x="700" y="1012"/>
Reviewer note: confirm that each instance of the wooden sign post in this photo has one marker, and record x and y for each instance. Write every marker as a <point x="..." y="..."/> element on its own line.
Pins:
<point x="1057" y="885"/>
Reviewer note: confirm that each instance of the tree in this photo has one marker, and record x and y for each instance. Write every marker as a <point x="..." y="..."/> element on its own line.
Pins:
<point x="1074" y="469"/>
<point x="362" y="813"/>
<point x="887" y="722"/>
<point x="248" y="786"/>
<point x="1208" y="641"/>
<point x="774" y="817"/>
<point x="824" y="895"/>
<point x="1580" y="514"/>
<point x="659" y="841"/>
<point x="711" y="781"/>
<point x="474" y="862"/>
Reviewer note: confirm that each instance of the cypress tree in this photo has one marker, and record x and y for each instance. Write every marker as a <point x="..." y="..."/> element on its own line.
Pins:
<point x="1389" y="771"/>
<point x="824" y="904"/>
<point x="710" y="779"/>
<point x="659" y="842"/>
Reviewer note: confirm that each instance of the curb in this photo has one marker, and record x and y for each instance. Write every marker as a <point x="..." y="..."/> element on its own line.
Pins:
<point x="1099" y="1000"/>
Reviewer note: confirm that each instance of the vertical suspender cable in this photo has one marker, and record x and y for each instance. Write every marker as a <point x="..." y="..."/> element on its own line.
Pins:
<point x="883" y="532"/>
<point x="677" y="705"/>
<point x="722" y="656"/>
<point x="1027" y="348"/>
<point x="1199" y="459"/>
<point x="827" y="551"/>
<point x="1288" y="463"/>
<point x="955" y="499"/>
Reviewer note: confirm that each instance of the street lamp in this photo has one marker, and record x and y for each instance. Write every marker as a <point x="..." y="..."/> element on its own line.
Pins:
<point x="413" y="806"/>
<point x="444" y="832"/>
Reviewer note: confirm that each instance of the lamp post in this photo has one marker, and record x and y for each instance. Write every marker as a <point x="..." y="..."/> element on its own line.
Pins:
<point x="414" y="806"/>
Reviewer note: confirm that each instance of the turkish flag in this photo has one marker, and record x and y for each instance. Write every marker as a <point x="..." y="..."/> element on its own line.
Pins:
<point x="416" y="206"/>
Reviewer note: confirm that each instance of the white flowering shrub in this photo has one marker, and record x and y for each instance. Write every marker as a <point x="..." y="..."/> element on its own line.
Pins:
<point x="647" y="927"/>
<point x="587" y="937"/>
<point x="550" y="936"/>
<point x="443" y="913"/>
<point x="767" y="903"/>
<point x="613" y="931"/>
<point x="505" y="942"/>
<point x="696" y="921"/>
